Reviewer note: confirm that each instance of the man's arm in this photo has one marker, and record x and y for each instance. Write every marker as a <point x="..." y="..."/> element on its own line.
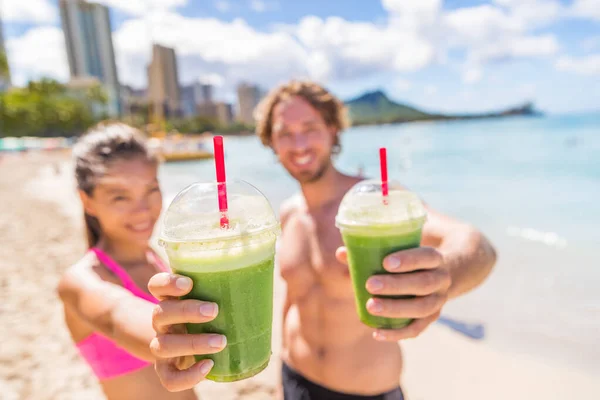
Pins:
<point x="453" y="258"/>
<point x="467" y="253"/>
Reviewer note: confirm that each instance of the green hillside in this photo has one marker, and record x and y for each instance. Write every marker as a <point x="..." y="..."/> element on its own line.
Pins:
<point x="376" y="108"/>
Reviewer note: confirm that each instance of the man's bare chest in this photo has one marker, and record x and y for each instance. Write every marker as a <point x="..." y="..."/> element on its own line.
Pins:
<point x="307" y="255"/>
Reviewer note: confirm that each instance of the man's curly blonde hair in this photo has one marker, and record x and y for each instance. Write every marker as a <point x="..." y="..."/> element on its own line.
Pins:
<point x="332" y="110"/>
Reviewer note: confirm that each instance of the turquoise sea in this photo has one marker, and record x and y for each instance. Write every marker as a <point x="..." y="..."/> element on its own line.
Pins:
<point x="532" y="185"/>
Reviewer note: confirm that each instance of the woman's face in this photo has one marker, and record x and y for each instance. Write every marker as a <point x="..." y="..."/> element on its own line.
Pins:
<point x="127" y="201"/>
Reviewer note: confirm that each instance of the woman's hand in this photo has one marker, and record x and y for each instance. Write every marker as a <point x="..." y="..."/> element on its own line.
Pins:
<point x="173" y="347"/>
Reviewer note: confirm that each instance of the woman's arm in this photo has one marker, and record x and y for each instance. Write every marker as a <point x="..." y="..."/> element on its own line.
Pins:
<point x="109" y="309"/>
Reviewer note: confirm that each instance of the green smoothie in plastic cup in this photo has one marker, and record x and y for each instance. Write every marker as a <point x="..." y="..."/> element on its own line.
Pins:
<point x="372" y="228"/>
<point x="231" y="266"/>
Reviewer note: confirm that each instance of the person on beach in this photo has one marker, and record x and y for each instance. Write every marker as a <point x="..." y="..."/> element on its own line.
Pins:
<point x="107" y="308"/>
<point x="327" y="352"/>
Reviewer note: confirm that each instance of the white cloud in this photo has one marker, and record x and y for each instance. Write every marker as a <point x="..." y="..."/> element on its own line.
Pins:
<point x="40" y="52"/>
<point x="36" y="11"/>
<point x="413" y="14"/>
<point x="354" y="48"/>
<point x="586" y="9"/>
<point x="489" y="33"/>
<point x="223" y="5"/>
<point x="532" y="13"/>
<point x="534" y="46"/>
<point x="415" y="35"/>
<point x="207" y="46"/>
<point x="589" y="65"/>
<point x="412" y="6"/>
<point x="318" y="65"/>
<point x="480" y="24"/>
<point x="142" y="7"/>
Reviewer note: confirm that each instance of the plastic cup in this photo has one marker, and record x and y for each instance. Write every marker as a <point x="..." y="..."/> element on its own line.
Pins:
<point x="231" y="266"/>
<point x="372" y="229"/>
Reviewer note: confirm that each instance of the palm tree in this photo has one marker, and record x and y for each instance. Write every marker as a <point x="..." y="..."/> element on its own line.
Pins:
<point x="4" y="71"/>
<point x="3" y="65"/>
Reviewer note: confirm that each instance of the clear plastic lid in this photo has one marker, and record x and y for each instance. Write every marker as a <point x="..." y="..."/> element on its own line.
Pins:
<point x="194" y="216"/>
<point x="364" y="205"/>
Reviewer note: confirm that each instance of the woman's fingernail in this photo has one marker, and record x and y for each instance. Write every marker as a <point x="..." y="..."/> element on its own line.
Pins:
<point x="183" y="283"/>
<point x="375" y="284"/>
<point x="217" y="341"/>
<point x="393" y="263"/>
<point x="374" y="306"/>
<point x="206" y="366"/>
<point x="378" y="335"/>
<point x="209" y="309"/>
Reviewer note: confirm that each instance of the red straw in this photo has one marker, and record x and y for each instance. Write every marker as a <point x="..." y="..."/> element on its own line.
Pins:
<point x="384" y="173"/>
<point x="222" y="188"/>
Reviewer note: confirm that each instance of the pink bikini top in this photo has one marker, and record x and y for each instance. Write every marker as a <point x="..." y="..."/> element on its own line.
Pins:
<point x="107" y="359"/>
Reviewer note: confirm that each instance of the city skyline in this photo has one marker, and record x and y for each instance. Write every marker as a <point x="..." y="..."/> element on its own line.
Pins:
<point x="449" y="55"/>
<point x="91" y="58"/>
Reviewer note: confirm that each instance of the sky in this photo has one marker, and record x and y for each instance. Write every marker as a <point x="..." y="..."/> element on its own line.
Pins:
<point x="450" y="56"/>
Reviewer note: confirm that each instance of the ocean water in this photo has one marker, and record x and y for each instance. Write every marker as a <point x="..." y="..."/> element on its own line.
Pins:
<point x="532" y="185"/>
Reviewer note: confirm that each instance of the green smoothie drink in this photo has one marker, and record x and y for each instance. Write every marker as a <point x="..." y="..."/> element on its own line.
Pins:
<point x="372" y="228"/>
<point x="231" y="266"/>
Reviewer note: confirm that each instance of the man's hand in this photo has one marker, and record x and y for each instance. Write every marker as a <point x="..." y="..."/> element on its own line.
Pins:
<point x="172" y="346"/>
<point x="416" y="272"/>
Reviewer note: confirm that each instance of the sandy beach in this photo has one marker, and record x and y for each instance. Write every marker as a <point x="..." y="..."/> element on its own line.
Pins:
<point x="41" y="234"/>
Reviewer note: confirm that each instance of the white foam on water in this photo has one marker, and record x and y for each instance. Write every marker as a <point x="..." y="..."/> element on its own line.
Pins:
<point x="551" y="239"/>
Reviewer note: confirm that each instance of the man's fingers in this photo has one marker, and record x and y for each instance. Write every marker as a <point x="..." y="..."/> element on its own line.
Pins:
<point x="342" y="255"/>
<point x="413" y="260"/>
<point x="172" y="312"/>
<point x="413" y="330"/>
<point x="417" y="307"/>
<point x="178" y="345"/>
<point x="420" y="283"/>
<point x="166" y="286"/>
<point x="175" y="380"/>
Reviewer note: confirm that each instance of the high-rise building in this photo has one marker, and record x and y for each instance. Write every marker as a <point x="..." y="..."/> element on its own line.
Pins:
<point x="224" y="114"/>
<point x="197" y="98"/>
<point x="90" y="50"/>
<point x="248" y="98"/>
<point x="208" y="110"/>
<point x="163" y="83"/>
<point x="188" y="101"/>
<point x="4" y="75"/>
<point x="135" y="101"/>
<point x="204" y="93"/>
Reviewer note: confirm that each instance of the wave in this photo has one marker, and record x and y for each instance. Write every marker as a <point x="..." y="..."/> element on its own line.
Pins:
<point x="551" y="239"/>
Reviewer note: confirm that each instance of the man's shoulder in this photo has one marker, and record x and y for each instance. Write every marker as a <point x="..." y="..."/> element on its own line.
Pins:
<point x="290" y="206"/>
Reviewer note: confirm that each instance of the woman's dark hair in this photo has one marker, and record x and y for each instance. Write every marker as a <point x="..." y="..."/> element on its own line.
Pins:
<point x="101" y="146"/>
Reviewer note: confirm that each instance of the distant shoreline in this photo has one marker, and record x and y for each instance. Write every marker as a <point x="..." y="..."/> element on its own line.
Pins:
<point x="446" y="119"/>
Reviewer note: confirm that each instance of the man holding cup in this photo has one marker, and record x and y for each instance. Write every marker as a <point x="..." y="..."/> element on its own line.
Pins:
<point x="328" y="353"/>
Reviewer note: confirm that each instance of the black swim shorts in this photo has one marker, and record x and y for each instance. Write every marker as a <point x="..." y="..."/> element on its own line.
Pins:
<point x="297" y="387"/>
